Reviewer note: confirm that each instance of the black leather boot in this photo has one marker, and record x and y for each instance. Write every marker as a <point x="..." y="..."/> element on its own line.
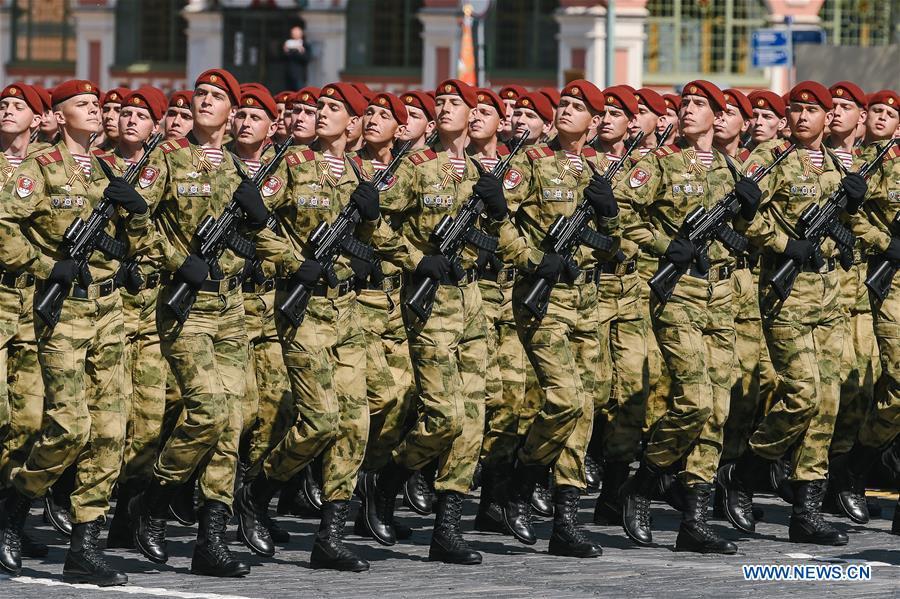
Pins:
<point x="516" y="504"/>
<point x="292" y="501"/>
<point x="807" y="524"/>
<point x="120" y="536"/>
<point x="542" y="498"/>
<point x="329" y="551"/>
<point x="568" y="538"/>
<point x="401" y="531"/>
<point x="252" y="506"/>
<point x="148" y="512"/>
<point x="737" y="481"/>
<point x="489" y="518"/>
<point x="310" y="488"/>
<point x="608" y="510"/>
<point x="211" y="554"/>
<point x="847" y="481"/>
<point x="85" y="563"/>
<point x="417" y="494"/>
<point x="695" y="534"/>
<point x="634" y="496"/>
<point x="13" y="512"/>
<point x="379" y="492"/>
<point x="592" y="473"/>
<point x="447" y="542"/>
<point x="670" y="490"/>
<point x="895" y="525"/>
<point x="57" y="515"/>
<point x="182" y="506"/>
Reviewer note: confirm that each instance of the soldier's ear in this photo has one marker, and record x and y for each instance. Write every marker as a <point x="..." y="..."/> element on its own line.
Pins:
<point x="829" y="116"/>
<point x="272" y="128"/>
<point x="60" y="117"/>
<point x="401" y="130"/>
<point x="35" y="121"/>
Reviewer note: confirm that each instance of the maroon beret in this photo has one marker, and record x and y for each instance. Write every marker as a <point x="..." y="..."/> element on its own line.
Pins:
<point x="621" y="97"/>
<point x="701" y="87"/>
<point x="652" y="100"/>
<point x="147" y="97"/>
<point x="586" y="91"/>
<point x="115" y="96"/>
<point x="512" y="92"/>
<point x="223" y="80"/>
<point x="309" y="95"/>
<point x="489" y="97"/>
<point x="181" y="99"/>
<point x="888" y="97"/>
<point x="44" y="94"/>
<point x="847" y="90"/>
<point x="254" y="95"/>
<point x="811" y="92"/>
<point x="736" y="98"/>
<point x="363" y="90"/>
<point x="26" y="93"/>
<point x="71" y="88"/>
<point x="348" y="94"/>
<point x="673" y="101"/>
<point x="393" y="104"/>
<point x="455" y="87"/>
<point x="537" y="102"/>
<point x="282" y="96"/>
<point x="552" y="94"/>
<point x="421" y="100"/>
<point x="767" y="100"/>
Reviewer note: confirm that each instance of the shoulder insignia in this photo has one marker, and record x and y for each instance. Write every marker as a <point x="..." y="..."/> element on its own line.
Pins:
<point x="893" y="153"/>
<point x="49" y="158"/>
<point x="777" y="150"/>
<point x="357" y="159"/>
<point x="108" y="158"/>
<point x="271" y="186"/>
<point x="539" y="152"/>
<point x="588" y="152"/>
<point x="148" y="176"/>
<point x="502" y="150"/>
<point x="638" y="177"/>
<point x="24" y="186"/>
<point x="98" y="152"/>
<point x="752" y="168"/>
<point x="743" y="154"/>
<point x="295" y="158"/>
<point x="423" y="157"/>
<point x="174" y="144"/>
<point x="667" y="150"/>
<point x="512" y="179"/>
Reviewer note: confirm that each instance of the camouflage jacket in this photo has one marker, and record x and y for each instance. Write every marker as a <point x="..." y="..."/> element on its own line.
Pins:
<point x="6" y="170"/>
<point x="873" y="223"/>
<point x="49" y="191"/>
<point x="659" y="192"/>
<point x="628" y="247"/>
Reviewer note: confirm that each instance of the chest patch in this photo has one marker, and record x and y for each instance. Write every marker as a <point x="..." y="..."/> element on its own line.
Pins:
<point x="558" y="195"/>
<point x="638" y="178"/>
<point x="313" y="202"/>
<point x="194" y="189"/>
<point x="438" y="201"/>
<point x="688" y="188"/>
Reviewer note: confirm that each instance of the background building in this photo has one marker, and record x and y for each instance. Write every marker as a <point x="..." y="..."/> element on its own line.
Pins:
<point x="398" y="44"/>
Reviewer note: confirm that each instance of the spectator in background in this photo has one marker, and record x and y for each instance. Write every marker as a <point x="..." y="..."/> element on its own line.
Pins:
<point x="296" y="57"/>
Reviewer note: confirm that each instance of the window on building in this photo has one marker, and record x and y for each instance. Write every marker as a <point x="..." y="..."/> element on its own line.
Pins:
<point x="384" y="34"/>
<point x="42" y="33"/>
<point x="687" y="39"/>
<point x="520" y="40"/>
<point x="861" y="22"/>
<point x="150" y="33"/>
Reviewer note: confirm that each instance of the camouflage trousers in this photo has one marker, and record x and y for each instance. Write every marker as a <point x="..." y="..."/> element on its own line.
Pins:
<point x="882" y="421"/>
<point x="754" y="378"/>
<point x="505" y="380"/>
<point x="83" y="420"/>
<point x="389" y="382"/>
<point x="145" y="385"/>
<point x="325" y="358"/>
<point x="564" y="350"/>
<point x="21" y="374"/>
<point x="207" y="355"/>
<point x="623" y="415"/>
<point x="860" y="366"/>
<point x="805" y="335"/>
<point x="695" y="332"/>
<point x="449" y="359"/>
<point x="659" y="390"/>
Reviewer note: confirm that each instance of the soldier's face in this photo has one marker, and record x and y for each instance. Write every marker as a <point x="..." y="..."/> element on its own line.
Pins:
<point x="808" y="121"/>
<point x="16" y="117"/>
<point x="80" y="114"/>
<point x="696" y="116"/>
<point x="417" y="124"/>
<point x="280" y="128"/>
<point x="645" y="120"/>
<point x="614" y="124"/>
<point x="49" y="125"/>
<point x="525" y="119"/>
<point x="847" y="116"/>
<point x="211" y="106"/>
<point x="251" y="125"/>
<point x="304" y="125"/>
<point x="452" y="114"/>
<point x="332" y="118"/>
<point x="178" y="122"/>
<point x="379" y="125"/>
<point x="882" y="121"/>
<point x="573" y="117"/>
<point x="766" y="125"/>
<point x="670" y="118"/>
<point x="135" y="124"/>
<point x="729" y="124"/>
<point x="286" y="121"/>
<point x="485" y="122"/>
<point x="110" y="115"/>
<point x="506" y="125"/>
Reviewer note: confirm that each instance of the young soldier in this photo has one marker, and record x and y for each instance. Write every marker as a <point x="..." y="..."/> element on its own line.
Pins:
<point x="651" y="108"/>
<point x="695" y="327"/>
<point x="420" y="118"/>
<point x="48" y="133"/>
<point x="81" y="356"/>
<point x="303" y="123"/>
<point x="509" y="94"/>
<point x="673" y="101"/>
<point x="179" y="120"/>
<point x="325" y="356"/>
<point x="803" y="332"/>
<point x="281" y="101"/>
<point x="110" y="107"/>
<point x="187" y="180"/>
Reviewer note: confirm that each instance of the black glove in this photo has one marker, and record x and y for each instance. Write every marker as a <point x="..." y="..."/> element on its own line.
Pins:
<point x="433" y="267"/>
<point x="247" y="197"/>
<point x="748" y="193"/>
<point x="799" y="250"/>
<point x="194" y="271"/>
<point x="362" y="270"/>
<point x="365" y="196"/>
<point x="680" y="252"/>
<point x="490" y="190"/>
<point x="551" y="267"/>
<point x="855" y="187"/>
<point x="892" y="253"/>
<point x="120" y="193"/>
<point x="599" y="195"/>
<point x="309" y="273"/>
<point x="64" y="272"/>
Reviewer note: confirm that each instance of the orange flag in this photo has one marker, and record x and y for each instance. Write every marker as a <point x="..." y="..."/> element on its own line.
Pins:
<point x="466" y="65"/>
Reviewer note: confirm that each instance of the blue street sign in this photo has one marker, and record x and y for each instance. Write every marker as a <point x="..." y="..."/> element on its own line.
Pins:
<point x="808" y="36"/>
<point x="770" y="48"/>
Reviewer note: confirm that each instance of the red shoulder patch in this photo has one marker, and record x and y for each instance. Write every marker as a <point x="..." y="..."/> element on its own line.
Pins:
<point x="777" y="150"/>
<point x="538" y="152"/>
<point x="24" y="186"/>
<point x="174" y="144"/>
<point x="148" y="176"/>
<point x="295" y="158"/>
<point x="743" y="154"/>
<point x="272" y="185"/>
<point x="667" y="150"/>
<point x="49" y="158"/>
<point x="98" y="152"/>
<point x="502" y="150"/>
<point x="423" y="157"/>
<point x="893" y="152"/>
<point x="588" y="152"/>
<point x="107" y="158"/>
<point x="638" y="177"/>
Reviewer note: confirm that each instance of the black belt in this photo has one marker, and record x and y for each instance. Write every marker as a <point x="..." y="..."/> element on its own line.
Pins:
<point x="742" y="262"/>
<point x="210" y="285"/>
<point x="387" y="284"/>
<point x="829" y="265"/>
<point x="504" y="276"/>
<point x="470" y="275"/>
<point x="321" y="289"/>
<point x="713" y="275"/>
<point x="151" y="281"/>
<point x="617" y="268"/>
<point x="15" y="280"/>
<point x="249" y="286"/>
<point x="94" y="290"/>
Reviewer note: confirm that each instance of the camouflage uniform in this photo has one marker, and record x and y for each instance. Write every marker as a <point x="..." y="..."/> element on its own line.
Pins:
<point x="805" y="332"/>
<point x="695" y="328"/>
<point x="208" y="353"/>
<point x="81" y="357"/>
<point x="325" y="355"/>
